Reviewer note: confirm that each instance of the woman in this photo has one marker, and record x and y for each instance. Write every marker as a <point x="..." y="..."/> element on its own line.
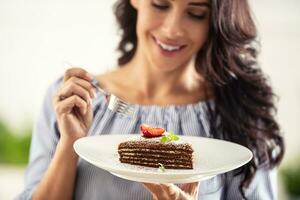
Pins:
<point x="186" y="65"/>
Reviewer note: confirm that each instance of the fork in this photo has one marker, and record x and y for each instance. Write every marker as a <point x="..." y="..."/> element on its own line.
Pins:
<point x="115" y="104"/>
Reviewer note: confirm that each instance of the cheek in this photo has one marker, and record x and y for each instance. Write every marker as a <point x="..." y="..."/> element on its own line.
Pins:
<point x="147" y="21"/>
<point x="200" y="37"/>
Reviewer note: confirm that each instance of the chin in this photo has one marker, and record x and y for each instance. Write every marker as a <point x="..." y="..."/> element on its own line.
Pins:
<point x="166" y="67"/>
<point x="169" y="66"/>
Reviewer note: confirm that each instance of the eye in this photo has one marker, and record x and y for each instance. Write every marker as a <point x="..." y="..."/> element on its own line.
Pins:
<point x="197" y="16"/>
<point x="159" y="6"/>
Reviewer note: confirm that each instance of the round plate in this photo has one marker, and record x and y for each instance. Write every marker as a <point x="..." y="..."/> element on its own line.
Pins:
<point x="211" y="157"/>
<point x="167" y="180"/>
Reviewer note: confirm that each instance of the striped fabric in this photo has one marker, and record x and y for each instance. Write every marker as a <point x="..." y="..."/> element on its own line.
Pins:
<point x="94" y="183"/>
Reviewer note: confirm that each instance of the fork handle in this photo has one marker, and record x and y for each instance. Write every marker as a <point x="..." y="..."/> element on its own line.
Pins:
<point x="96" y="85"/>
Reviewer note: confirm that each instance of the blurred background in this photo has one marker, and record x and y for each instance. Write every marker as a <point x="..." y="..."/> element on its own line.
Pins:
<point x="38" y="37"/>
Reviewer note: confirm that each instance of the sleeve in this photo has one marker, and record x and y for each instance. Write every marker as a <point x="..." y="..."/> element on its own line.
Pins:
<point x="45" y="137"/>
<point x="262" y="187"/>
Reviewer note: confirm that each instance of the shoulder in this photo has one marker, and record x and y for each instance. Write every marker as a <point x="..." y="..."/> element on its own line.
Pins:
<point x="56" y="83"/>
<point x="113" y="81"/>
<point x="106" y="80"/>
<point x="51" y="90"/>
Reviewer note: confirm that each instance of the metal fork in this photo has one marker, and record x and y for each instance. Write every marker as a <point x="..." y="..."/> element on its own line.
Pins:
<point x="115" y="103"/>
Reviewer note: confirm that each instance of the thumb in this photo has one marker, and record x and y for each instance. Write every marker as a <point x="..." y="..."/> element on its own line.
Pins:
<point x="191" y="188"/>
<point x="152" y="187"/>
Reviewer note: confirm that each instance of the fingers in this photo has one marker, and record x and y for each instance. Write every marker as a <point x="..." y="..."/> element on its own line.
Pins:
<point x="66" y="105"/>
<point x="76" y="91"/>
<point x="163" y="191"/>
<point x="171" y="191"/>
<point x="152" y="187"/>
<point x="77" y="72"/>
<point x="191" y="188"/>
<point x="77" y="86"/>
<point x="85" y="84"/>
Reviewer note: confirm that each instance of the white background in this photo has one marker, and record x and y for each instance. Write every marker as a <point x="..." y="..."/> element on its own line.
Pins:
<point x="36" y="37"/>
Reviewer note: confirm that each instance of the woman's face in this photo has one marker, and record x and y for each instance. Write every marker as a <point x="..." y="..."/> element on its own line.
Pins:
<point x="171" y="32"/>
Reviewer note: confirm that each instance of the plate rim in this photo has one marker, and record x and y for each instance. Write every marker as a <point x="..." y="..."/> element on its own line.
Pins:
<point x="110" y="168"/>
<point x="165" y="180"/>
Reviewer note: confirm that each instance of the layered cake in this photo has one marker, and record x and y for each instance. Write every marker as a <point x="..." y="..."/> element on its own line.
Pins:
<point x="155" y="148"/>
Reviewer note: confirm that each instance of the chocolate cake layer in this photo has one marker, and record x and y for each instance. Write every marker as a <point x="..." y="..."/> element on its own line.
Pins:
<point x="156" y="145"/>
<point x="163" y="153"/>
<point x="150" y="152"/>
<point x="155" y="164"/>
<point x="156" y="155"/>
<point x="154" y="160"/>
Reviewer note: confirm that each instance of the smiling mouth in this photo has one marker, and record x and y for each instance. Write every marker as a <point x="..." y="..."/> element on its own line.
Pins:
<point x="168" y="47"/>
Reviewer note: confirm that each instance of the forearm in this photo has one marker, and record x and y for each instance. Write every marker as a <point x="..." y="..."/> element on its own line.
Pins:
<point x="58" y="181"/>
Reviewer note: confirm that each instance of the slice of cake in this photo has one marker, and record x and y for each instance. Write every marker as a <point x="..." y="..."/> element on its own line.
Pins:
<point x="155" y="148"/>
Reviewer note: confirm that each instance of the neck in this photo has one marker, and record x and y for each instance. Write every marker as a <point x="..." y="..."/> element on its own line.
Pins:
<point x="154" y="83"/>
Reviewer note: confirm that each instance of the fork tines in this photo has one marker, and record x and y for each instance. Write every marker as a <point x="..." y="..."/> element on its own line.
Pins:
<point x="120" y="106"/>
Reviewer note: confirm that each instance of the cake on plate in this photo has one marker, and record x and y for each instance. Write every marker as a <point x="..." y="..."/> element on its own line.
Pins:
<point x="156" y="148"/>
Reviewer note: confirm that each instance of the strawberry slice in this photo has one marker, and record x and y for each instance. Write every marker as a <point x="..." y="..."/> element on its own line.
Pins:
<point x="148" y="131"/>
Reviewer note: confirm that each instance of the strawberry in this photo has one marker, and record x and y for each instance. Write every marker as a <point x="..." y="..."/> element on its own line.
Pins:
<point x="148" y="131"/>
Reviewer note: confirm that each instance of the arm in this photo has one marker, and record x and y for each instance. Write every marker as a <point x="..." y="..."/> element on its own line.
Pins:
<point x="73" y="109"/>
<point x="58" y="182"/>
<point x="52" y="167"/>
<point x="44" y="140"/>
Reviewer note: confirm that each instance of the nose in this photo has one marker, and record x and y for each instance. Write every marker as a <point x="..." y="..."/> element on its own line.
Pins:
<point x="173" y="27"/>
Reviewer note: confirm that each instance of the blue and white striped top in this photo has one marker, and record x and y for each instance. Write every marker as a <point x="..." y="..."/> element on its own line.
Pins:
<point x="93" y="183"/>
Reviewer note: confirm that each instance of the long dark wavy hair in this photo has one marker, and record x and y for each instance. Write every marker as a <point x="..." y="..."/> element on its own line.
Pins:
<point x="244" y="100"/>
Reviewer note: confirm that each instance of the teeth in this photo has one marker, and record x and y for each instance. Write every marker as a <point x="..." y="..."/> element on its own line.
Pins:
<point x="167" y="47"/>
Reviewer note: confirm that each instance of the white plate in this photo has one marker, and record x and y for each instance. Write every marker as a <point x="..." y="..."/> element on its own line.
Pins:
<point x="191" y="179"/>
<point x="211" y="157"/>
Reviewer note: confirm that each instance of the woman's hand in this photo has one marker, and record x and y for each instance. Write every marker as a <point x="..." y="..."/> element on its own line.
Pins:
<point x="73" y="104"/>
<point x="187" y="191"/>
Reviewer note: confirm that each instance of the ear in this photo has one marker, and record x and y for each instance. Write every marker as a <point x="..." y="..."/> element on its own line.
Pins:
<point x="134" y="3"/>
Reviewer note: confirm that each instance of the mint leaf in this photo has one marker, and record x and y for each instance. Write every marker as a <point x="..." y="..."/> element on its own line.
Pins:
<point x="170" y="137"/>
<point x="164" y="139"/>
<point x="175" y="137"/>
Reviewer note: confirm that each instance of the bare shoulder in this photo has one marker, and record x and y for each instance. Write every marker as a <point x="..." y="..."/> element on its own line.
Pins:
<point x="112" y="80"/>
